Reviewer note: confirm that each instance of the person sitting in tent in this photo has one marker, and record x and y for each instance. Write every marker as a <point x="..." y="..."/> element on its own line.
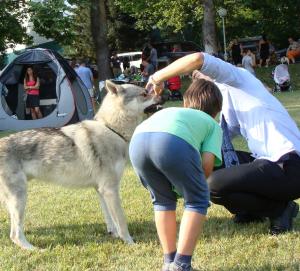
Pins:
<point x="31" y="86"/>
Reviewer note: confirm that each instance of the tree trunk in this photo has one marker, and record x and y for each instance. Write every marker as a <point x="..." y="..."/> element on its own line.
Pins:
<point x="209" y="28"/>
<point x="99" y="32"/>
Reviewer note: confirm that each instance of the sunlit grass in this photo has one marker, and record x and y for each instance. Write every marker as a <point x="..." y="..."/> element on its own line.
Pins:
<point x="69" y="225"/>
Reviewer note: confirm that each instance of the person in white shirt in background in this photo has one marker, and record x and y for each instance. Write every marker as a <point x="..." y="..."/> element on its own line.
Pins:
<point x="87" y="78"/>
<point x="267" y="184"/>
<point x="248" y="61"/>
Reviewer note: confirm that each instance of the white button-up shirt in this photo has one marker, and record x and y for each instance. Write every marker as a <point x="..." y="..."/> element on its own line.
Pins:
<point x="251" y="111"/>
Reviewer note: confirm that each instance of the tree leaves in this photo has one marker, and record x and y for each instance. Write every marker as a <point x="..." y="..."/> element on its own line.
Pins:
<point x="53" y="19"/>
<point x="12" y="17"/>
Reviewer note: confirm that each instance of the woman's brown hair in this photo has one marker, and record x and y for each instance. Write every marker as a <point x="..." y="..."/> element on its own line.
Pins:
<point x="203" y="95"/>
<point x="33" y="74"/>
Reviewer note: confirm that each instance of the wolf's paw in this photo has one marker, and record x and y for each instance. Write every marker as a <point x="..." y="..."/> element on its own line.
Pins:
<point x="24" y="244"/>
<point x="128" y="240"/>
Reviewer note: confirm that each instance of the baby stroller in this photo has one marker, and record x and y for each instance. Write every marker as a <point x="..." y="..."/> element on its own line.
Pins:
<point x="174" y="85"/>
<point x="282" y="77"/>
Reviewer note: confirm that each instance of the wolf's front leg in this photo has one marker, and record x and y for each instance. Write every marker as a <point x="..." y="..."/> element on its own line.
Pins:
<point x="112" y="199"/>
<point x="111" y="229"/>
<point x="15" y="200"/>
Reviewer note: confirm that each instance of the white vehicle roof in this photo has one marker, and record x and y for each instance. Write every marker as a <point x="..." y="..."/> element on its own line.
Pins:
<point x="130" y="53"/>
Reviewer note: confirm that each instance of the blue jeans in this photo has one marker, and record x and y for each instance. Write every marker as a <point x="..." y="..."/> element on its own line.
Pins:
<point x="163" y="161"/>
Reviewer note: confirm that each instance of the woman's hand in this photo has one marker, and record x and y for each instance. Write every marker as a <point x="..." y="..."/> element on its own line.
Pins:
<point x="155" y="86"/>
<point x="199" y="75"/>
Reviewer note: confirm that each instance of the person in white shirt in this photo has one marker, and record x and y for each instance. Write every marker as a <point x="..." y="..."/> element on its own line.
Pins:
<point x="269" y="181"/>
<point x="87" y="78"/>
<point x="248" y="61"/>
<point x="153" y="56"/>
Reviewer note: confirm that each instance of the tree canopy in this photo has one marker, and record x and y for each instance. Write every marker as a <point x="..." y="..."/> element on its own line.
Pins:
<point x="12" y="31"/>
<point x="277" y="19"/>
<point x="131" y="22"/>
<point x="69" y="23"/>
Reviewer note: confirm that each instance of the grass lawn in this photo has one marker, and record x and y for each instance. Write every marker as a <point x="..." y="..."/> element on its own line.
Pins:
<point x="69" y="225"/>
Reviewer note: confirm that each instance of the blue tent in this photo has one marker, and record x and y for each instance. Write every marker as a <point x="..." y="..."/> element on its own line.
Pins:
<point x="64" y="98"/>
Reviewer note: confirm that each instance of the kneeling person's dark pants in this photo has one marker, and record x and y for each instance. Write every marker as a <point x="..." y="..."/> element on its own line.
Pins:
<point x="163" y="161"/>
<point x="260" y="187"/>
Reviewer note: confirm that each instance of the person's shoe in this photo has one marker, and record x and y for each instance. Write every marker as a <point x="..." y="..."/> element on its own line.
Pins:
<point x="284" y="222"/>
<point x="175" y="267"/>
<point x="245" y="218"/>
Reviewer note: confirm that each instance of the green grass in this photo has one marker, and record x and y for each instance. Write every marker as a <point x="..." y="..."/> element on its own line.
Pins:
<point x="69" y="225"/>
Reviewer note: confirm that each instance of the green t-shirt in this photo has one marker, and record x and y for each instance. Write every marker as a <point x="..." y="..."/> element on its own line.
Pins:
<point x="194" y="126"/>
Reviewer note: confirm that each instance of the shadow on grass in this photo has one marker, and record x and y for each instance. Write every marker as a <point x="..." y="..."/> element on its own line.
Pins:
<point x="225" y="227"/>
<point x="217" y="227"/>
<point x="87" y="233"/>
<point x="141" y="231"/>
<point x="266" y="267"/>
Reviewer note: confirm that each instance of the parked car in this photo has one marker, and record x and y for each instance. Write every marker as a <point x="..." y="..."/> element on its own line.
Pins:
<point x="135" y="58"/>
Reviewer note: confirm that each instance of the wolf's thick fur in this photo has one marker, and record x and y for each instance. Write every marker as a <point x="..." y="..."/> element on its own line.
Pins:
<point x="88" y="154"/>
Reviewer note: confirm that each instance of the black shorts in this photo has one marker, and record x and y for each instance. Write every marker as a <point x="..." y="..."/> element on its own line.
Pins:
<point x="32" y="101"/>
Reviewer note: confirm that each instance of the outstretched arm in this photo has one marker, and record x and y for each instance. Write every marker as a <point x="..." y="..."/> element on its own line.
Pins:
<point x="217" y="69"/>
<point x="181" y="66"/>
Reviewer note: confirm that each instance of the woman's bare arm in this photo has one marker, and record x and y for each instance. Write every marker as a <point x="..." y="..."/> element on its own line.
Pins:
<point x="184" y="65"/>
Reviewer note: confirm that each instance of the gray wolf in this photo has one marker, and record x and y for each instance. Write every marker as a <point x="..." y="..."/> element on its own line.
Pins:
<point x="92" y="153"/>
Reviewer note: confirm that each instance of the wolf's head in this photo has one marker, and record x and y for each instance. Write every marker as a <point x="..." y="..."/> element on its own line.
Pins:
<point x="124" y="105"/>
<point x="129" y="97"/>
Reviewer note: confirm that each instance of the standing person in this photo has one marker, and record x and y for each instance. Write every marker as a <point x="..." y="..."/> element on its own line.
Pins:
<point x="148" y="70"/>
<point x="153" y="56"/>
<point x="87" y="78"/>
<point x="32" y="88"/>
<point x="236" y="52"/>
<point x="126" y="63"/>
<point x="175" y="150"/>
<point x="115" y="63"/>
<point x="248" y="61"/>
<point x="268" y="183"/>
<point x="264" y="51"/>
<point x="145" y="55"/>
<point x="293" y="50"/>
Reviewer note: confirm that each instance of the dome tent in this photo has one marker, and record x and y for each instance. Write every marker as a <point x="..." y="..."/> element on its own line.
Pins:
<point x="64" y="98"/>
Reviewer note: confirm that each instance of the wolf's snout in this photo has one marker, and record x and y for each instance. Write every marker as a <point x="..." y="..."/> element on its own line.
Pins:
<point x="156" y="106"/>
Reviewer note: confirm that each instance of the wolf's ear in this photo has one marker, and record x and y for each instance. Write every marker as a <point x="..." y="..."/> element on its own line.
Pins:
<point x="113" y="88"/>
